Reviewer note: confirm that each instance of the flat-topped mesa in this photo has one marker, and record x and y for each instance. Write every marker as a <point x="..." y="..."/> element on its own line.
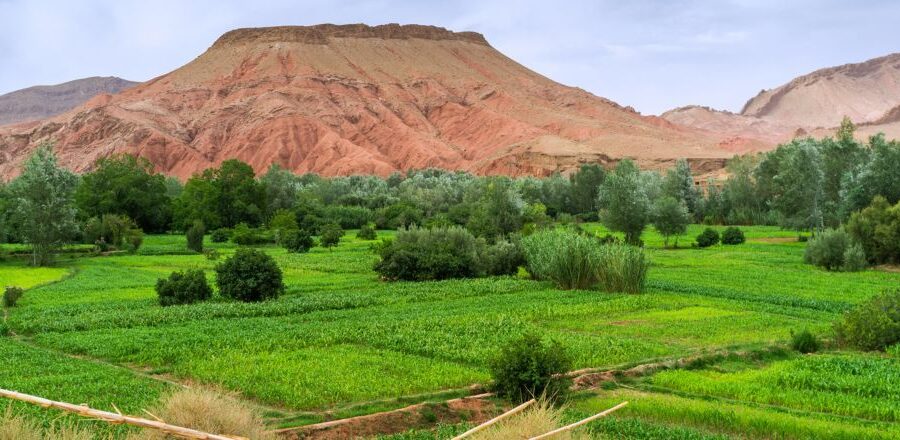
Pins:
<point x="319" y="34"/>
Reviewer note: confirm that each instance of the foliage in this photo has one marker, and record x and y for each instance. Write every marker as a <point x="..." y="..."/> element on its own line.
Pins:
<point x="44" y="206"/>
<point x="282" y="223"/>
<point x="222" y="197"/>
<point x="497" y="209"/>
<point x="733" y="235"/>
<point x="220" y="235"/>
<point x="298" y="241"/>
<point x="679" y="184"/>
<point x="872" y="325"/>
<point x="586" y="184"/>
<point x="194" y="235"/>
<point x="11" y="295"/>
<point x="528" y="367"/>
<point x="877" y="229"/>
<point x="834" y="250"/>
<point x="670" y="218"/>
<point x="183" y="288"/>
<point x="709" y="237"/>
<point x="624" y="202"/>
<point x="875" y="175"/>
<point x="126" y="185"/>
<point x="250" y="275"/>
<point x="367" y="232"/>
<point x="417" y="254"/>
<point x="111" y="230"/>
<point x="347" y="217"/>
<point x="805" y="342"/>
<point x="622" y="268"/>
<point x="330" y="235"/>
<point x="501" y="258"/>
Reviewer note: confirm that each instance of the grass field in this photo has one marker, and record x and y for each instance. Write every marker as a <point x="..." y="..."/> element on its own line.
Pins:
<point x="90" y="330"/>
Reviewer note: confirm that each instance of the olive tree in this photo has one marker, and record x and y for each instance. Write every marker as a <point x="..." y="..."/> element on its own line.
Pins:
<point x="624" y="202"/>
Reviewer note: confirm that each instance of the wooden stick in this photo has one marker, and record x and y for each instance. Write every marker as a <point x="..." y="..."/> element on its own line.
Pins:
<point x="495" y="420"/>
<point x="577" y="424"/>
<point x="85" y="411"/>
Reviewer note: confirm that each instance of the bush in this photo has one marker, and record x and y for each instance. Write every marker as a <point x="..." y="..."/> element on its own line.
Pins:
<point x="244" y="235"/>
<point x="805" y="342"/>
<point x="873" y="325"/>
<point x="194" y="236"/>
<point x="208" y="411"/>
<point x="220" y="235"/>
<point x="11" y="295"/>
<point x="709" y="237"/>
<point x="528" y="367"/>
<point x="877" y="229"/>
<point x="211" y="254"/>
<point x="733" y="235"/>
<point x="298" y="241"/>
<point x="575" y="261"/>
<point x="249" y="275"/>
<point x="831" y="249"/>
<point x="501" y="258"/>
<point x="113" y="231"/>
<point x="331" y="235"/>
<point x="348" y="217"/>
<point x="183" y="288"/>
<point x="417" y="254"/>
<point x="367" y="232"/>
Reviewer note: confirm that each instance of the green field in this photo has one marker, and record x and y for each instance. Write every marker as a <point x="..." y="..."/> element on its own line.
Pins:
<point x="91" y="331"/>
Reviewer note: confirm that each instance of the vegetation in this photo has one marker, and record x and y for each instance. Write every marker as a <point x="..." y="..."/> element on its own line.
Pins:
<point x="874" y="324"/>
<point x="877" y="229"/>
<point x="297" y="241"/>
<point x="331" y="235"/>
<point x="367" y="232"/>
<point x="11" y="295"/>
<point x="834" y="250"/>
<point x="249" y="275"/>
<point x="625" y="202"/>
<point x="208" y="411"/>
<point x="805" y="342"/>
<point x="183" y="288"/>
<point x="709" y="237"/>
<point x="195" y="235"/>
<point x="671" y="218"/>
<point x="733" y="235"/>
<point x="429" y="254"/>
<point x="528" y="367"/>
<point x="112" y="231"/>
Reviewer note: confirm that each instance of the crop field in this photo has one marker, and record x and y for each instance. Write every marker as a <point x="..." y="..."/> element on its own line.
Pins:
<point x="341" y="342"/>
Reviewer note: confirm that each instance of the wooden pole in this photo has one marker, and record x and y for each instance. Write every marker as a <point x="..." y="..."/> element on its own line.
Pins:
<point x="577" y="424"/>
<point x="495" y="420"/>
<point x="114" y="418"/>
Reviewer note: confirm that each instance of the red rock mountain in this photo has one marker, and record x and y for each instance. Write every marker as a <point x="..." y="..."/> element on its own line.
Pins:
<point x="41" y="102"/>
<point x="358" y="99"/>
<point x="814" y="104"/>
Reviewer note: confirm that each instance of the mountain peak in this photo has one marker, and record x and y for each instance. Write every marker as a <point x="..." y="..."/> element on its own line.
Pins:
<point x="320" y="34"/>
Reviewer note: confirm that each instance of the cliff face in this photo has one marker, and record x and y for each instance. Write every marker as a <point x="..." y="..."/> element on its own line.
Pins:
<point x="356" y="99"/>
<point x="41" y="102"/>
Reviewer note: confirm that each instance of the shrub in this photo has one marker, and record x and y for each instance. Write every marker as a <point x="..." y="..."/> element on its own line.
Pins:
<point x="501" y="258"/>
<point x="113" y="231"/>
<point x="367" y="232"/>
<point x="832" y="249"/>
<point x="417" y="254"/>
<point x="194" y="236"/>
<point x="220" y="235"/>
<point x="11" y="295"/>
<point x="249" y="275"/>
<point x="805" y="342"/>
<point x="211" y="254"/>
<point x="282" y="223"/>
<point x="528" y="367"/>
<point x="877" y="229"/>
<point x="733" y="235"/>
<point x="244" y="235"/>
<point x="183" y="288"/>
<point x="331" y="235"/>
<point x="208" y="411"/>
<point x="348" y="217"/>
<point x="872" y="325"/>
<point x="709" y="237"/>
<point x="298" y="241"/>
<point x="575" y="261"/>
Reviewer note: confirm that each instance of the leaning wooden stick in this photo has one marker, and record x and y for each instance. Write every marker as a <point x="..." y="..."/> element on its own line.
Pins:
<point x="577" y="424"/>
<point x="114" y="418"/>
<point x="495" y="420"/>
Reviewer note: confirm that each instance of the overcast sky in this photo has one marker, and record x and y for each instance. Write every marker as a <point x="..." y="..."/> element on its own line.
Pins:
<point x="652" y="55"/>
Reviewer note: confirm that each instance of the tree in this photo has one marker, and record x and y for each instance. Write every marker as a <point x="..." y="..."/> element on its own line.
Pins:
<point x="44" y="200"/>
<point x="498" y="210"/>
<point x="625" y="205"/>
<point x="799" y="180"/>
<point x="222" y="197"/>
<point x="670" y="217"/>
<point x="331" y="235"/>
<point x="740" y="202"/>
<point x="875" y="176"/>
<point x="126" y="185"/>
<point x="679" y="183"/>
<point x="585" y="186"/>
<point x="281" y="188"/>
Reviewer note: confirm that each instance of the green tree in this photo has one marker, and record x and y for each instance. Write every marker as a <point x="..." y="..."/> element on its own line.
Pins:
<point x="281" y="188"/>
<point x="222" y="197"/>
<point x="679" y="184"/>
<point x="331" y="235"/>
<point x="800" y="196"/>
<point x="585" y="187"/>
<point x="44" y="200"/>
<point x="498" y="210"/>
<point x="126" y="185"/>
<point x="875" y="176"/>
<point x="671" y="218"/>
<point x="624" y="203"/>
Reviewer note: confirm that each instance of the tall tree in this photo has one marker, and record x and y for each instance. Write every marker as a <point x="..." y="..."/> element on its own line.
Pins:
<point x="126" y="185"/>
<point x="222" y="197"/>
<point x="624" y="203"/>
<point x="800" y="197"/>
<point x="875" y="176"/>
<point x="679" y="184"/>
<point x="44" y="199"/>
<point x="585" y="186"/>
<point x="670" y="218"/>
<point x="281" y="189"/>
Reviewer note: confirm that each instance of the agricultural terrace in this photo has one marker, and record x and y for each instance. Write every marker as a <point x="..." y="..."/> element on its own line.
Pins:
<point x="340" y="342"/>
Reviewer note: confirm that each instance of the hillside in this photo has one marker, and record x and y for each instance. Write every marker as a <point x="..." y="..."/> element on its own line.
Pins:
<point x="358" y="99"/>
<point x="41" y="102"/>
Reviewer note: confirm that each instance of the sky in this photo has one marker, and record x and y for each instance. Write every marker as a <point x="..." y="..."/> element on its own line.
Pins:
<point x="653" y="55"/>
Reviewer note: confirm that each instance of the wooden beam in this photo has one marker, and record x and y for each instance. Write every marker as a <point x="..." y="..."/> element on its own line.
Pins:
<point x="579" y="423"/>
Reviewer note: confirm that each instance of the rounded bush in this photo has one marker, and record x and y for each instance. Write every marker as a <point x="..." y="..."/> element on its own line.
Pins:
<point x="709" y="237"/>
<point x="220" y="235"/>
<point x="733" y="235"/>
<point x="834" y="250"/>
<point x="428" y="254"/>
<point x="183" y="288"/>
<point x="298" y="241"/>
<point x="367" y="232"/>
<point x="194" y="235"/>
<point x="872" y="325"/>
<point x="331" y="235"/>
<point x="246" y="236"/>
<point x="249" y="275"/>
<point x="528" y="367"/>
<point x="11" y="295"/>
<point x="805" y="342"/>
<point x="501" y="258"/>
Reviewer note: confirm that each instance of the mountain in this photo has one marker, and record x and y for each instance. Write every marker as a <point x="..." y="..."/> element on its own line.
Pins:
<point x="814" y="104"/>
<point x="346" y="99"/>
<point x="41" y="102"/>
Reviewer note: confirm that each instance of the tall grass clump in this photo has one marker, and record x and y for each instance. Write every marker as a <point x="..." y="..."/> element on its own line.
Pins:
<point x="540" y="418"/>
<point x="575" y="261"/>
<point x="16" y="427"/>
